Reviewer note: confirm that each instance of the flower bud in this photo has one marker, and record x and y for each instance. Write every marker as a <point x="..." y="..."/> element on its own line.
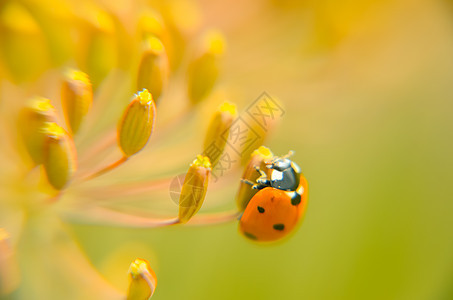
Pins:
<point x="204" y="70"/>
<point x="262" y="117"/>
<point x="150" y="23"/>
<point x="30" y="121"/>
<point x="143" y="280"/>
<point x="137" y="123"/>
<point x="218" y="132"/>
<point x="76" y="98"/>
<point x="153" y="68"/>
<point x="20" y="28"/>
<point x="182" y="20"/>
<point x="257" y="159"/>
<point x="59" y="155"/>
<point x="194" y="188"/>
<point x="98" y="50"/>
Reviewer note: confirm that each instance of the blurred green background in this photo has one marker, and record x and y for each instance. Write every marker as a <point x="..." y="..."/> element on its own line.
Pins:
<point x="367" y="91"/>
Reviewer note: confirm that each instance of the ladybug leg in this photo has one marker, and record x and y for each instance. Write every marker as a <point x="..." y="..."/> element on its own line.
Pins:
<point x="260" y="183"/>
<point x="262" y="173"/>
<point x="263" y="181"/>
<point x="255" y="186"/>
<point x="249" y="182"/>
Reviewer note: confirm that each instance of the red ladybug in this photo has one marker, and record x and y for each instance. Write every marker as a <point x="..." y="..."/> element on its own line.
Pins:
<point x="280" y="204"/>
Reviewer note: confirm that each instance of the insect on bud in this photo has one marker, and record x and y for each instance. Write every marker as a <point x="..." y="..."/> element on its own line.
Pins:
<point x="137" y="123"/>
<point x="218" y="132"/>
<point x="153" y="68"/>
<point x="59" y="155"/>
<point x="30" y="121"/>
<point x="204" y="70"/>
<point x="76" y="98"/>
<point x="257" y="159"/>
<point x="194" y="188"/>
<point x="143" y="280"/>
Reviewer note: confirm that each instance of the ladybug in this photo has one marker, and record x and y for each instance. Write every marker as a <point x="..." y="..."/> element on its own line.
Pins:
<point x="279" y="205"/>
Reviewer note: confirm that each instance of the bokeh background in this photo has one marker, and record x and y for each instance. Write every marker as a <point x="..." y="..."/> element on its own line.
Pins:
<point x="367" y="92"/>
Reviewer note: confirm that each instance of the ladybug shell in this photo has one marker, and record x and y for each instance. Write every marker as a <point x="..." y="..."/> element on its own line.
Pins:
<point x="270" y="216"/>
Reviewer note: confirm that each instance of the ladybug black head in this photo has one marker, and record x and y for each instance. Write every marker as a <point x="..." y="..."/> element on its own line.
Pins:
<point x="285" y="173"/>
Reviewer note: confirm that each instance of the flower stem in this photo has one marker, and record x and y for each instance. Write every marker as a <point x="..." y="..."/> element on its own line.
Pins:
<point x="215" y="218"/>
<point x="105" y="216"/>
<point x="107" y="168"/>
<point x="109" y="140"/>
<point x="109" y="217"/>
<point x="118" y="192"/>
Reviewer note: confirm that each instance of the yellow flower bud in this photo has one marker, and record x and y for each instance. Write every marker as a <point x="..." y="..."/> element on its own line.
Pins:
<point x="257" y="159"/>
<point x="150" y="23"/>
<point x="59" y="155"/>
<point x="30" y="121"/>
<point x="137" y="123"/>
<point x="76" y="98"/>
<point x="153" y="68"/>
<point x="143" y="280"/>
<point x="98" y="52"/>
<point x="262" y="117"/>
<point x="20" y="28"/>
<point x="218" y="132"/>
<point x="194" y="188"/>
<point x="204" y="70"/>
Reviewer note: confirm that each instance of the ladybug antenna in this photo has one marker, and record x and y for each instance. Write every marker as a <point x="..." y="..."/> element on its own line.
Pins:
<point x="275" y="158"/>
<point x="290" y="153"/>
<point x="271" y="164"/>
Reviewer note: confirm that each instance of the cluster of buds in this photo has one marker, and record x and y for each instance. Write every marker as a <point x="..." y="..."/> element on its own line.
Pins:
<point x="51" y="137"/>
<point x="51" y="144"/>
<point x="46" y="141"/>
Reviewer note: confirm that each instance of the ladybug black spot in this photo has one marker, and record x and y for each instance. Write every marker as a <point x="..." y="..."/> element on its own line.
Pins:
<point x="296" y="200"/>
<point x="260" y="209"/>
<point x="279" y="226"/>
<point x="250" y="236"/>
